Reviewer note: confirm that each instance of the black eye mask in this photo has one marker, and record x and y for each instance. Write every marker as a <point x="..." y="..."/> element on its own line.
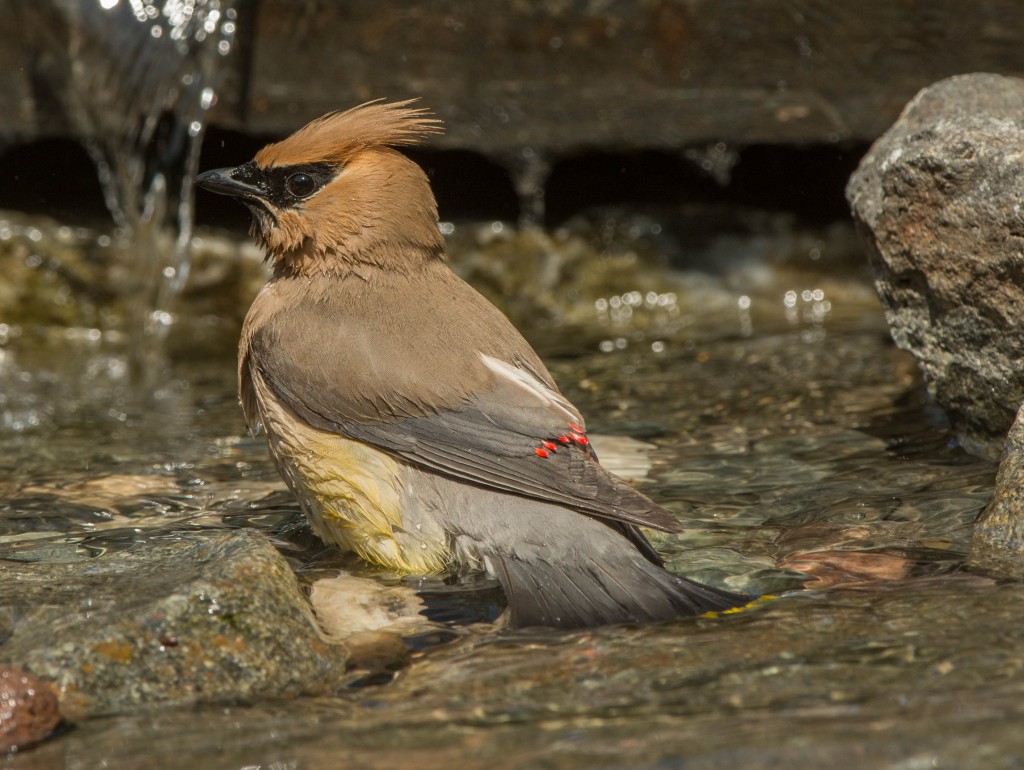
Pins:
<point x="286" y="186"/>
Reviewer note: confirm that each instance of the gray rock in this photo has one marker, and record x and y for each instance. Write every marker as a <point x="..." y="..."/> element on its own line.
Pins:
<point x="196" y="617"/>
<point x="937" y="201"/>
<point x="998" y="542"/>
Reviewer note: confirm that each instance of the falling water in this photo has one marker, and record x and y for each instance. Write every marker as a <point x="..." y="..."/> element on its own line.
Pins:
<point x="530" y="170"/>
<point x="136" y="78"/>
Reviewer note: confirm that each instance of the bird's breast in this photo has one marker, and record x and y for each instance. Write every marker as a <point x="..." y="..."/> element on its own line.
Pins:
<point x="351" y="493"/>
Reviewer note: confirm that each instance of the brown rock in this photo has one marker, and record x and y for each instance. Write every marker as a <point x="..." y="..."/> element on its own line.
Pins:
<point x="28" y="710"/>
<point x="562" y="75"/>
<point x="847" y="568"/>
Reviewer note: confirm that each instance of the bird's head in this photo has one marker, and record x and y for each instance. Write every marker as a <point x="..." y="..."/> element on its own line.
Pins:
<point x="335" y="194"/>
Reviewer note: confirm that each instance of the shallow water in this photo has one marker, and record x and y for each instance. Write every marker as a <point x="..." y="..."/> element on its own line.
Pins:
<point x="785" y="431"/>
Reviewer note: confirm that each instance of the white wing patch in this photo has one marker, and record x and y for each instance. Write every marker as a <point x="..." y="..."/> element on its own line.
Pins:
<point x="538" y="389"/>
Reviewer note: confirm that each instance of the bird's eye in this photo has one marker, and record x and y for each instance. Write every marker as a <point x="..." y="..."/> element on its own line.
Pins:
<point x="300" y="185"/>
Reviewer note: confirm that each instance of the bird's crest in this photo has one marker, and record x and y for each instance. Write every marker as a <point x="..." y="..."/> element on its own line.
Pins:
<point x="336" y="136"/>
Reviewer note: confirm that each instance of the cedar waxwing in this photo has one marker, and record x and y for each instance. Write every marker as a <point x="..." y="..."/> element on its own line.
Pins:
<point x="412" y="421"/>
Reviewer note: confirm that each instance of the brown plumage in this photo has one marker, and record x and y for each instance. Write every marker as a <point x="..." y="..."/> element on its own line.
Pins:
<point x="338" y="136"/>
<point x="413" y="422"/>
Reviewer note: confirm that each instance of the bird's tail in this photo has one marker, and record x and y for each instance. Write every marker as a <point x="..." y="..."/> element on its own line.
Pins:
<point x="584" y="592"/>
<point x="558" y="567"/>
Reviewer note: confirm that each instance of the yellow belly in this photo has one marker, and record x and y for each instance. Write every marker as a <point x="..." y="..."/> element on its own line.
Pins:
<point x="350" y="492"/>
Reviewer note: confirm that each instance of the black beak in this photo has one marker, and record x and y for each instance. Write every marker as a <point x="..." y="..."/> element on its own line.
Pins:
<point x="241" y="182"/>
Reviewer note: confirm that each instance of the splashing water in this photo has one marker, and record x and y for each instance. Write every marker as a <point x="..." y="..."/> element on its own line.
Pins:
<point x="136" y="78"/>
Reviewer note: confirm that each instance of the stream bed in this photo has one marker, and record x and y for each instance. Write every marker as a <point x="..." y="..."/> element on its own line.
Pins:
<point x="766" y="407"/>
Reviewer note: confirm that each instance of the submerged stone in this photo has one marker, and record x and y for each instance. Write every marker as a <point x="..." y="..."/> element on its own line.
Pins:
<point x="197" y="617"/>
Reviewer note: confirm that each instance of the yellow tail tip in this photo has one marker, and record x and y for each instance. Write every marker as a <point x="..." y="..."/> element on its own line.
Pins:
<point x="742" y="608"/>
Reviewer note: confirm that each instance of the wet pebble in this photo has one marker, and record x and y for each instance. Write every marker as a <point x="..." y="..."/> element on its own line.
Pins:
<point x="28" y="710"/>
<point x="376" y="651"/>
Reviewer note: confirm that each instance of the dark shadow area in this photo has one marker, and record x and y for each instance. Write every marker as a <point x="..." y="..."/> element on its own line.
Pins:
<point x="468" y="186"/>
<point x="55" y="177"/>
<point x="595" y="179"/>
<point x="807" y="181"/>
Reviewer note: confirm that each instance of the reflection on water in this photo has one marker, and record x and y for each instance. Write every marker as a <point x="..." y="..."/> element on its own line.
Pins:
<point x="795" y="447"/>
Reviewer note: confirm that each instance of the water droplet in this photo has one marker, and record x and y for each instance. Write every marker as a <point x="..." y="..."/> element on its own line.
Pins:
<point x="162" y="317"/>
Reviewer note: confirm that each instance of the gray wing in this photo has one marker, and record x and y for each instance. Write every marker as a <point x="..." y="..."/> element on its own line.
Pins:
<point x="478" y="444"/>
<point x="497" y="424"/>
